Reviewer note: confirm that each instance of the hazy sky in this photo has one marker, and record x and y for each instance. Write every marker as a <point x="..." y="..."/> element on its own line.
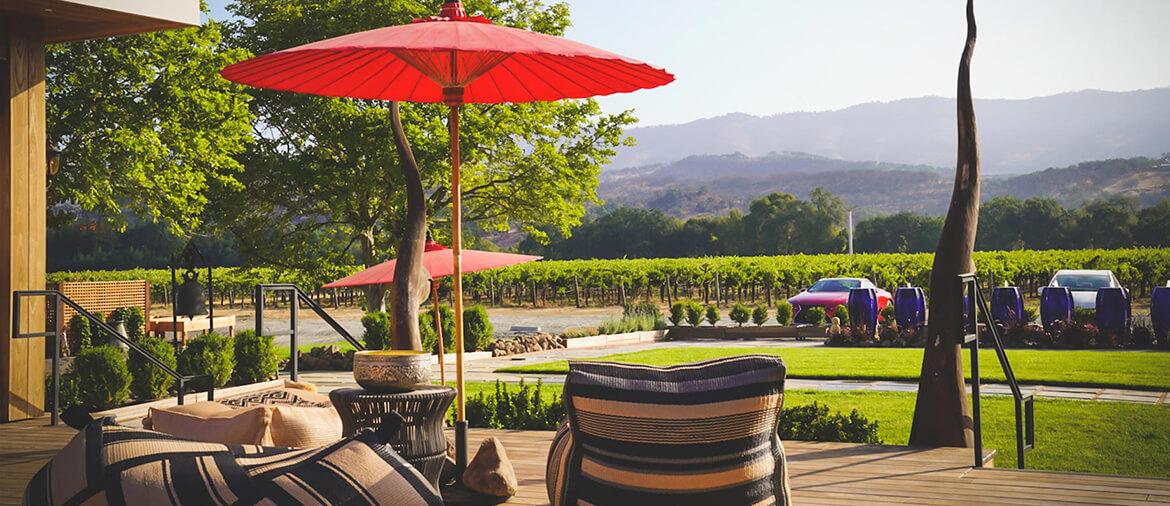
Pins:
<point x="766" y="56"/>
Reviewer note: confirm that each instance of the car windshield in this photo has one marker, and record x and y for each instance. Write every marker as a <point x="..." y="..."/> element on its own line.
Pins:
<point x="1082" y="282"/>
<point x="835" y="285"/>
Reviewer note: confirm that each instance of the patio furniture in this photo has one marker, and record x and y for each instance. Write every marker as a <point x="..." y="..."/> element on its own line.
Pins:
<point x="421" y="440"/>
<point x="161" y="325"/>
<point x="106" y="463"/>
<point x="700" y="433"/>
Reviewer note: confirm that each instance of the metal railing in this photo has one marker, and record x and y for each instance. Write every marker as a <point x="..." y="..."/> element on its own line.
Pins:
<point x="298" y="296"/>
<point x="103" y="329"/>
<point x="971" y="305"/>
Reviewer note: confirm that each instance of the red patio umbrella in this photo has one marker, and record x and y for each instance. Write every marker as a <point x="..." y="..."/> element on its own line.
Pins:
<point x="454" y="59"/>
<point x="437" y="260"/>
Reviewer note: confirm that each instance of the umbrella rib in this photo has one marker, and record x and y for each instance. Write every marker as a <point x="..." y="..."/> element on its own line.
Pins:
<point x="324" y="57"/>
<point x="350" y="61"/>
<point x="390" y="82"/>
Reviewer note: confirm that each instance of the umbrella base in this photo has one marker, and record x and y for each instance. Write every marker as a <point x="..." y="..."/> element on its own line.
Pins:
<point x="460" y="447"/>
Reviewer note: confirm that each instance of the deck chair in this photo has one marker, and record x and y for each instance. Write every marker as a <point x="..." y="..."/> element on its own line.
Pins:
<point x="693" y="434"/>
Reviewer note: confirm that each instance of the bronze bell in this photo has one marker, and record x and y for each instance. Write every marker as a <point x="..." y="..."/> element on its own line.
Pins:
<point x="189" y="299"/>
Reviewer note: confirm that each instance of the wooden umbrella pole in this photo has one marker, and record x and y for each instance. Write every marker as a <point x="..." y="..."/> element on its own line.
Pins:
<point x="438" y="330"/>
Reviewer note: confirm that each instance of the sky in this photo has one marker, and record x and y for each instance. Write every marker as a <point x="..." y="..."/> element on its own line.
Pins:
<point x="768" y="57"/>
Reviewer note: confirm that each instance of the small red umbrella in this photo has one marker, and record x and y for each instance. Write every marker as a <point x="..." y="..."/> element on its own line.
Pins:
<point x="437" y="260"/>
<point x="455" y="59"/>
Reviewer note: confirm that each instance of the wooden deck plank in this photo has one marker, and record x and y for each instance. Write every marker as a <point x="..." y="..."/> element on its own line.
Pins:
<point x="831" y="474"/>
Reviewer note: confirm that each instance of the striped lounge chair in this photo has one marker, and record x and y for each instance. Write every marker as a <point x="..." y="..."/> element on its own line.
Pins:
<point x="693" y="434"/>
<point x="110" y="464"/>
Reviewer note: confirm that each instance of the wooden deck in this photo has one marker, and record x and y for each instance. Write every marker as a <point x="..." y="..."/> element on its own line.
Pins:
<point x="822" y="473"/>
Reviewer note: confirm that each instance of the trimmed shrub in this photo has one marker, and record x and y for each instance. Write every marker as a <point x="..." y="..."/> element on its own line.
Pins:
<point x="1030" y="314"/>
<point x="378" y="334"/>
<point x="813" y="422"/>
<point x="80" y="333"/>
<point x="132" y="318"/>
<point x="760" y="315"/>
<point x="1084" y="316"/>
<point x="842" y="312"/>
<point x="255" y="357"/>
<point x="477" y="329"/>
<point x="68" y="394"/>
<point x="694" y="313"/>
<point x="101" y="377"/>
<point x="426" y="331"/>
<point x="784" y="313"/>
<point x="739" y="314"/>
<point x="585" y="332"/>
<point x="521" y="408"/>
<point x="209" y="354"/>
<point x="712" y="314"/>
<point x="641" y="309"/>
<point x="430" y="338"/>
<point x="631" y="324"/>
<point x="678" y="313"/>
<point x="149" y="381"/>
<point x="1142" y="337"/>
<point x="888" y="314"/>
<point x="814" y="315"/>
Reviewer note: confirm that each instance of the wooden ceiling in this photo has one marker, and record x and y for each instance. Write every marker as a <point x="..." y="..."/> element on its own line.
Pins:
<point x="72" y="20"/>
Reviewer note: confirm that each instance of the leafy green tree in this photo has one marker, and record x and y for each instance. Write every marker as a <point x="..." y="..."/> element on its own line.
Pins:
<point x="781" y="224"/>
<point x="324" y="184"/>
<point x="904" y="232"/>
<point x="739" y="314"/>
<point x="1108" y="224"/>
<point x="1001" y="221"/>
<point x="1153" y="225"/>
<point x="1045" y="224"/>
<point x="146" y="124"/>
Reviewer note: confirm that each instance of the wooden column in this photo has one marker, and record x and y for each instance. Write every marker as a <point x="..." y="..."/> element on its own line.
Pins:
<point x="22" y="212"/>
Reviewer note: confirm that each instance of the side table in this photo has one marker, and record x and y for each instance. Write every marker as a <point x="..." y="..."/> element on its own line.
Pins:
<point x="421" y="440"/>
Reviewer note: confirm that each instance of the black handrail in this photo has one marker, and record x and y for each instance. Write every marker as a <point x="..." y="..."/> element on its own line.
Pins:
<point x="971" y="304"/>
<point x="298" y="295"/>
<point x="58" y="300"/>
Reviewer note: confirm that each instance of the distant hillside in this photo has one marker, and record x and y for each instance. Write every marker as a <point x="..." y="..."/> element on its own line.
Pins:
<point x="1015" y="136"/>
<point x="713" y="185"/>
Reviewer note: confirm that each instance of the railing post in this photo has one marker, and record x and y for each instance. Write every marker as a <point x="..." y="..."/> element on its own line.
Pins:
<point x="292" y="353"/>
<point x="57" y="322"/>
<point x="182" y="390"/>
<point x="259" y="305"/>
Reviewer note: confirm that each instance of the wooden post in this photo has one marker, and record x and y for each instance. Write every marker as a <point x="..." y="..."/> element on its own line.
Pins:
<point x="533" y="294"/>
<point x="718" y="290"/>
<point x="23" y="177"/>
<point x="577" y="290"/>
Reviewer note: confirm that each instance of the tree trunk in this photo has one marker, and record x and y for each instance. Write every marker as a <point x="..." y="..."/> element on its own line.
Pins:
<point x="411" y="280"/>
<point x="375" y="294"/>
<point x="942" y="414"/>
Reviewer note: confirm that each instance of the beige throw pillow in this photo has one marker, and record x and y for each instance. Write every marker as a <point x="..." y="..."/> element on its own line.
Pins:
<point x="206" y="423"/>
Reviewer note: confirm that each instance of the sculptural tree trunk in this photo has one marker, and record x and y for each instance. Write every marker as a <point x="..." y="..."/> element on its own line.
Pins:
<point x="942" y="414"/>
<point x="411" y="281"/>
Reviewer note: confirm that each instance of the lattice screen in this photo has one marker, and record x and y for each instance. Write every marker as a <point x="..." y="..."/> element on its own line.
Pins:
<point x="105" y="296"/>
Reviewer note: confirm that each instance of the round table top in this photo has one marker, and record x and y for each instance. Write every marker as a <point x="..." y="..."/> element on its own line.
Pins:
<point x="424" y="392"/>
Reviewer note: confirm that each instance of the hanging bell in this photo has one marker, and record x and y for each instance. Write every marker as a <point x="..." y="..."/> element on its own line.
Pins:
<point x="189" y="299"/>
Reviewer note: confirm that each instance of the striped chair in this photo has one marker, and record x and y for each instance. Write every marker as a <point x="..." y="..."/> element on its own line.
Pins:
<point x="701" y="434"/>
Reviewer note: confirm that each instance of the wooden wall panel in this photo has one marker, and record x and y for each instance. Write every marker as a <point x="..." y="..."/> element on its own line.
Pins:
<point x="22" y="215"/>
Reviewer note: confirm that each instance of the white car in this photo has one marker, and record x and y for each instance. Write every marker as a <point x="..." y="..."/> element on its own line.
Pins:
<point x="1084" y="284"/>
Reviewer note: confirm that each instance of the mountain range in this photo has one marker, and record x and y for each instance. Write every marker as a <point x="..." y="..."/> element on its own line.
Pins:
<point x="1015" y="136"/>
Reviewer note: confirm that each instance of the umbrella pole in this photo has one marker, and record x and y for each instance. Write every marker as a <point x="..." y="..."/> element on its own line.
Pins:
<point x="438" y="331"/>
<point x="456" y="263"/>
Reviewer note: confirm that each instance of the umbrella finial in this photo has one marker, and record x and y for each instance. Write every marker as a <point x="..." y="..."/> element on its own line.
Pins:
<point x="453" y="10"/>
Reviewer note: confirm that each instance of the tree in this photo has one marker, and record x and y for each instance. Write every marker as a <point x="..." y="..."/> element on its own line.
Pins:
<point x="1108" y="224"/>
<point x="323" y="184"/>
<point x="942" y="414"/>
<point x="146" y="124"/>
<point x="904" y="232"/>
<point x="1000" y="224"/>
<point x="1153" y="225"/>
<point x="780" y="224"/>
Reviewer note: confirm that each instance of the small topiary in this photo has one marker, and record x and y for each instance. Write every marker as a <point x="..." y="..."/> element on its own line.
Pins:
<point x="80" y="333"/>
<point x="842" y="312"/>
<point x="760" y="315"/>
<point x="678" y="313"/>
<point x="101" y="377"/>
<point x="255" y="356"/>
<point x="739" y="314"/>
<point x="378" y="334"/>
<point x="477" y="329"/>
<point x="149" y="381"/>
<point x="131" y="318"/>
<point x="712" y="315"/>
<point x="694" y="313"/>
<point x="784" y="313"/>
<point x="813" y="422"/>
<point x="209" y="354"/>
<point x="814" y="315"/>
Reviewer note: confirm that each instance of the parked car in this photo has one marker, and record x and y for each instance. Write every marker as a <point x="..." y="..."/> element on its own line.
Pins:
<point x="829" y="292"/>
<point x="1084" y="284"/>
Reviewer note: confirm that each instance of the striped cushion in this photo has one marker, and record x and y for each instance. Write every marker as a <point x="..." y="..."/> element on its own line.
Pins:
<point x="110" y="464"/>
<point x="701" y="433"/>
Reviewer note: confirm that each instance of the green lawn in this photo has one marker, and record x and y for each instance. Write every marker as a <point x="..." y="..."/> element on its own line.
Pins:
<point x="1116" y="369"/>
<point x="1076" y="436"/>
<point x="282" y="351"/>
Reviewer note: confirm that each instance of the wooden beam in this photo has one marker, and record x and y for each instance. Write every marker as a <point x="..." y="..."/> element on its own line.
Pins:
<point x="22" y="214"/>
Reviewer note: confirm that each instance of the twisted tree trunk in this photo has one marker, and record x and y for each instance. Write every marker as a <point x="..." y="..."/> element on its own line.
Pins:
<point x="942" y="414"/>
<point x="411" y="284"/>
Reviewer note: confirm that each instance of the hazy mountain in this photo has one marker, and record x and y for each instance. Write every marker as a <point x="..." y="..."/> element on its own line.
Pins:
<point x="713" y="185"/>
<point x="1015" y="136"/>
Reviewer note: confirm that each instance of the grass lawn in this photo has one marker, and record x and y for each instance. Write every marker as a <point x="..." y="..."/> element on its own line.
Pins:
<point x="1075" y="436"/>
<point x="282" y="351"/>
<point x="1116" y="369"/>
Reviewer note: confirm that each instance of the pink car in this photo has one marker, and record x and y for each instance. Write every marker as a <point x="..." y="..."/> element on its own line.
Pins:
<point x="829" y="292"/>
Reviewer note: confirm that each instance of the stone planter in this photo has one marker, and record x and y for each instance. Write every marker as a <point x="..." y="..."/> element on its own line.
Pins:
<point x="386" y="371"/>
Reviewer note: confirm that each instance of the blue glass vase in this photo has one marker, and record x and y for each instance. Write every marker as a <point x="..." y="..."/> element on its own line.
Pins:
<point x="863" y="311"/>
<point x="1113" y="313"/>
<point x="1007" y="306"/>
<point x="1056" y="304"/>
<point x="1160" y="312"/>
<point x="910" y="308"/>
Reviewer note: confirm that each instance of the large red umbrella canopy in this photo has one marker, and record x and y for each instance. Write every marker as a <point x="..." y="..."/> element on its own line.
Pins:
<point x="491" y="63"/>
<point x="437" y="260"/>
